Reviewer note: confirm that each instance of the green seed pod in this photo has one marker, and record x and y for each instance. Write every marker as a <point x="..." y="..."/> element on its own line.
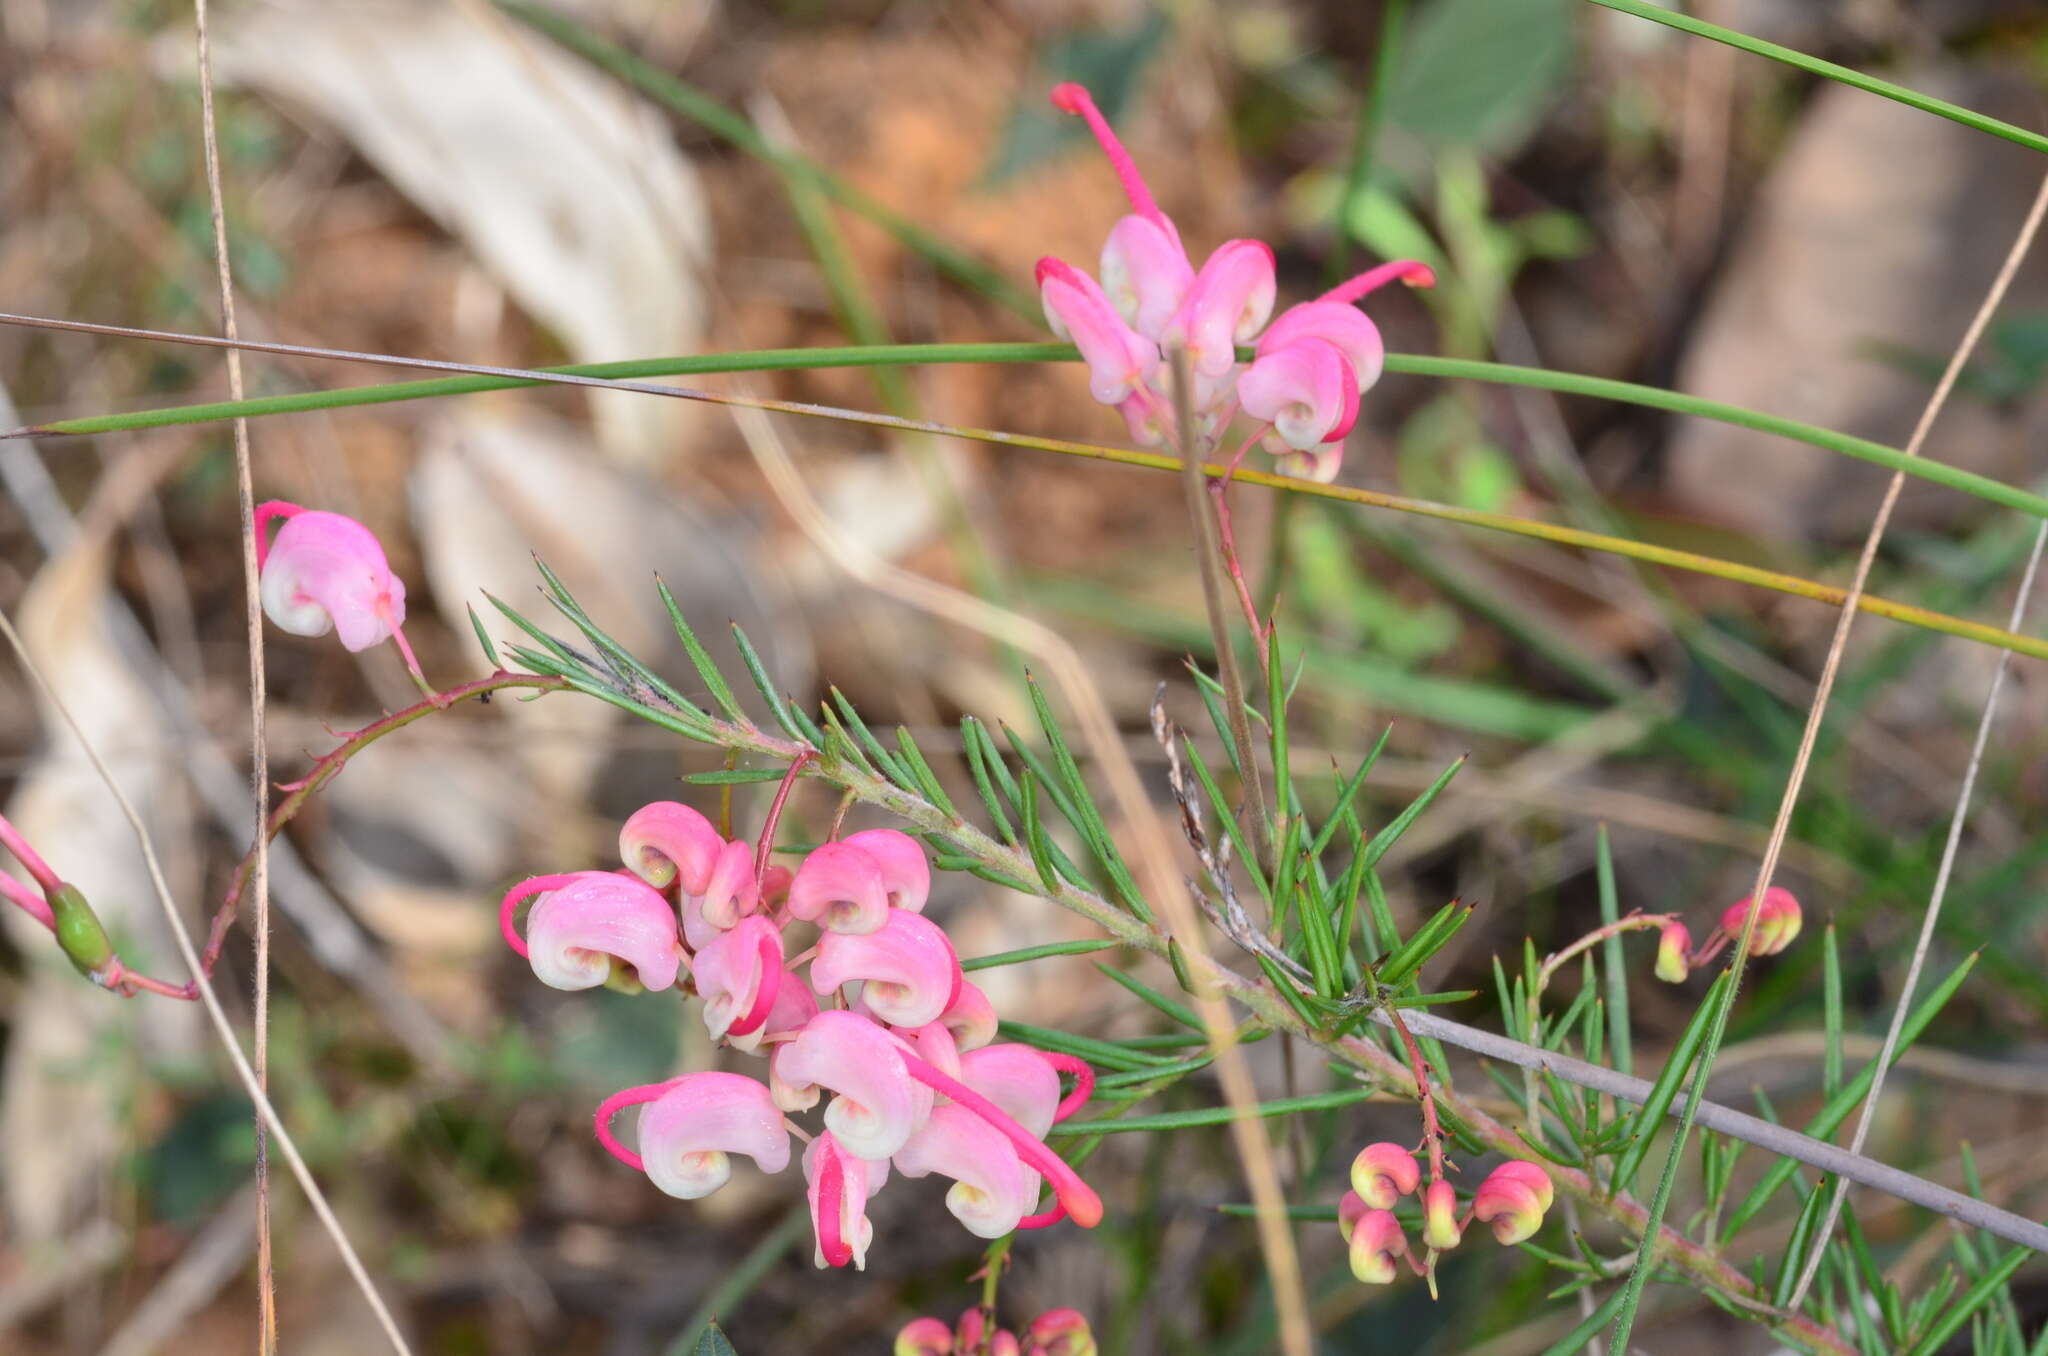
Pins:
<point x="79" y="931"/>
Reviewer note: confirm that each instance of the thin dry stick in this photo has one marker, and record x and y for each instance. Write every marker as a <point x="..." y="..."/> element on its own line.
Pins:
<point x="1167" y="887"/>
<point x="259" y="751"/>
<point x="1797" y="780"/>
<point x="207" y="994"/>
<point x="1933" y="915"/>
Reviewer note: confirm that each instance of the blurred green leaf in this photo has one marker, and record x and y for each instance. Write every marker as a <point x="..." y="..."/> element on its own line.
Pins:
<point x="1481" y="74"/>
<point x="201" y="1158"/>
<point x="1110" y="64"/>
<point x="611" y="1040"/>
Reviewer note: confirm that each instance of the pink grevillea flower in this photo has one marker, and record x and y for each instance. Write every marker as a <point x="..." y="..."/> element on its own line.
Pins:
<point x="1512" y="1199"/>
<point x="906" y="875"/>
<point x="1383" y="1173"/>
<point x="1230" y="301"/>
<point x="907" y="969"/>
<point x="792" y="1009"/>
<point x="878" y="1105"/>
<point x="841" y="888"/>
<point x="924" y="1337"/>
<point x="586" y="921"/>
<point x="1059" y="1332"/>
<point x="667" y="842"/>
<point x="1075" y="1196"/>
<point x="1673" y="944"/>
<point x="992" y="1189"/>
<point x="326" y="572"/>
<point x="838" y="1185"/>
<point x="1145" y="270"/>
<point x="694" y="1123"/>
<point x="1440" y="1228"/>
<point x="1018" y="1079"/>
<point x="1777" y="922"/>
<point x="1306" y="391"/>
<point x="1120" y="360"/>
<point x="970" y="1017"/>
<point x="1376" y="1242"/>
<point x="739" y="976"/>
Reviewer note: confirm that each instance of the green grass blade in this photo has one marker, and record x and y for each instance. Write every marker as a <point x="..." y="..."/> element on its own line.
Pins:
<point x="1145" y="993"/>
<point x="1222" y="1115"/>
<point x="1643" y="1128"/>
<point x="1612" y="960"/>
<point x="1032" y="953"/>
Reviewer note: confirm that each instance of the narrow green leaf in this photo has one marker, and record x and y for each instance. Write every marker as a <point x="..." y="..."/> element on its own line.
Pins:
<point x="1430" y="1000"/>
<point x="971" y="736"/>
<point x="1831" y="1005"/>
<point x="871" y="746"/>
<point x="1589" y="1327"/>
<point x="1643" y="1126"/>
<point x="1614" y="962"/>
<point x="1032" y="953"/>
<point x="1181" y="1068"/>
<point x="740" y="776"/>
<point x="921" y="771"/>
<point x="1975" y="1298"/>
<point x="1178" y="1012"/>
<point x="1429" y="939"/>
<point x="1347" y="792"/>
<point x="1034" y="836"/>
<point x="1387" y="837"/>
<point x="700" y="658"/>
<point x="1793" y="1262"/>
<point x="1090" y="822"/>
<point x="1240" y="849"/>
<point x="483" y="639"/>
<point x="778" y="705"/>
<point x="1113" y="1054"/>
<point x="1189" y="1120"/>
<point x="1004" y="879"/>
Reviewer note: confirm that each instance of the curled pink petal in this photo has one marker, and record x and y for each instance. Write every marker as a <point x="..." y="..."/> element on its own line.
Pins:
<point x="1344" y="327"/>
<point x="1319" y="464"/>
<point x="1228" y="304"/>
<point x="1440" y="1227"/>
<point x="838" y="1186"/>
<point x="935" y="1045"/>
<point x="906" y="875"/>
<point x="1145" y="273"/>
<point x="791" y="1008"/>
<point x="731" y="890"/>
<point x="1777" y="922"/>
<point x="668" y="841"/>
<point x="878" y="1105"/>
<point x="1305" y="390"/>
<point x="992" y="1190"/>
<point x="585" y="920"/>
<point x="970" y="1017"/>
<point x="1376" y="1240"/>
<point x="327" y="572"/>
<point x="1017" y="1078"/>
<point x="1383" y="1173"/>
<point x="1075" y="99"/>
<point x="1350" y="1210"/>
<point x="1076" y="1195"/>
<point x="1084" y="1083"/>
<point x="1673" y="944"/>
<point x="1513" y="1198"/>
<point x="907" y="969"/>
<point x="688" y="1131"/>
<point x="1411" y="271"/>
<point x="924" y="1337"/>
<point x="1059" y="1332"/>
<point x="739" y="974"/>
<point x="1120" y="360"/>
<point x="841" y="888"/>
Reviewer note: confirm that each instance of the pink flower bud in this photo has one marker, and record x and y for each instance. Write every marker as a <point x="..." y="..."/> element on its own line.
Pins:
<point x="1777" y="922"/>
<point x="1230" y="301"/>
<point x="688" y="1132"/>
<point x="1383" y="1173"/>
<point x="838" y="1186"/>
<point x="1004" y="1343"/>
<point x="730" y="890"/>
<point x="906" y="875"/>
<point x="992" y="1189"/>
<point x="878" y="1106"/>
<point x="1673" y="944"/>
<point x="1018" y="1079"/>
<point x="1145" y="272"/>
<point x="1120" y="360"/>
<point x="1059" y="1332"/>
<point x="970" y="1017"/>
<point x="1350" y="1209"/>
<point x="908" y="971"/>
<point x="840" y="887"/>
<point x="1513" y="1198"/>
<point x="973" y="1327"/>
<point x="585" y="920"/>
<point x="924" y="1337"/>
<point x="667" y="841"/>
<point x="1376" y="1241"/>
<point x="739" y="975"/>
<point x="1305" y="390"/>
<point x="326" y="572"/>
<point x="1440" y="1228"/>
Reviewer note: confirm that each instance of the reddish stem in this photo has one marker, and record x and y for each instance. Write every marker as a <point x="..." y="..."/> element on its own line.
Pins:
<point x="764" y="991"/>
<point x="1220" y="488"/>
<point x="1084" y="1083"/>
<point x="612" y="1106"/>
<point x="27" y="900"/>
<point x="767" y="843"/>
<point x="1432" y="1132"/>
<point x="118" y="978"/>
<point x="1076" y="1195"/>
<point x="1072" y="98"/>
<point x="831" y="1192"/>
<point x="1410" y="271"/>
<point x="508" y="906"/>
<point x="272" y="508"/>
<point x="31" y="861"/>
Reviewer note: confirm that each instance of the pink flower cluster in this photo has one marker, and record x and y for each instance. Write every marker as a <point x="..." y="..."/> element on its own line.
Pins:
<point x="1513" y="1199"/>
<point x="884" y="1022"/>
<point x="1778" y="921"/>
<point x="1308" y="366"/>
<point x="1056" y="1332"/>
